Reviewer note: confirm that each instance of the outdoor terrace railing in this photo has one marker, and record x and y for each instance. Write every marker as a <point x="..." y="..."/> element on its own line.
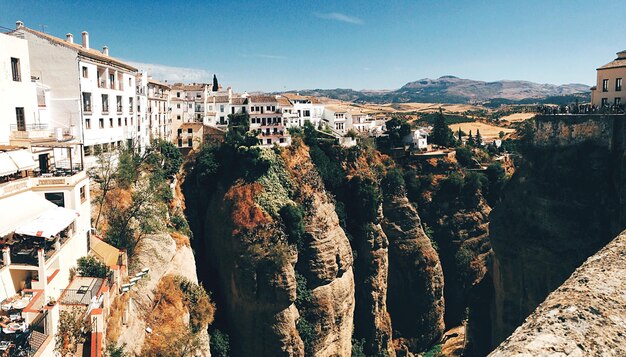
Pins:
<point x="28" y="127"/>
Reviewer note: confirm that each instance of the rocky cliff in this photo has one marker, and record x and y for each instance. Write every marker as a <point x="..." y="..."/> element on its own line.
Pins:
<point x="415" y="297"/>
<point x="562" y="205"/>
<point x="585" y="316"/>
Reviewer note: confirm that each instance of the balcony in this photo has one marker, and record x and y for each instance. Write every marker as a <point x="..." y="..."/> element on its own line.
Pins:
<point x="30" y="131"/>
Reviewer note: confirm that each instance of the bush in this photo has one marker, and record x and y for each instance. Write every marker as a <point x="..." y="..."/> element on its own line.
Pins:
<point x="465" y="157"/>
<point x="115" y="351"/>
<point x="363" y="200"/>
<point x="173" y="159"/>
<point x="474" y="182"/>
<point x="413" y="186"/>
<point x="306" y="330"/>
<point x="357" y="348"/>
<point x="91" y="267"/>
<point x="220" y="344"/>
<point x="180" y="224"/>
<point x="393" y="183"/>
<point x="452" y="185"/>
<point x="293" y="219"/>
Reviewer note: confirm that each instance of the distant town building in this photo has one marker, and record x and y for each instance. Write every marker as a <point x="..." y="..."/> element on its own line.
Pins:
<point x="159" y="119"/>
<point x="610" y="80"/>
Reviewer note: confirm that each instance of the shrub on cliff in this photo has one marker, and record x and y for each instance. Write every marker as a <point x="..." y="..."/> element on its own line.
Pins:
<point x="465" y="157"/>
<point x="293" y="219"/>
<point x="393" y="183"/>
<point x="363" y="200"/>
<point x="220" y="344"/>
<point x="92" y="267"/>
<point x="172" y="158"/>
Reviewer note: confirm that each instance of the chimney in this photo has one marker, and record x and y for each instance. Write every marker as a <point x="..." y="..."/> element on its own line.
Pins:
<point x="19" y="24"/>
<point x="86" y="39"/>
<point x="69" y="38"/>
<point x="105" y="50"/>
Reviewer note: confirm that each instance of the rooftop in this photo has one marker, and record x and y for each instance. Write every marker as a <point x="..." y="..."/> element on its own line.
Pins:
<point x="86" y="52"/>
<point x="620" y="61"/>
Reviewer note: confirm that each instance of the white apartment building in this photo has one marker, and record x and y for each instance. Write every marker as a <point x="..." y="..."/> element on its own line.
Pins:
<point x="308" y="109"/>
<point x="141" y="102"/>
<point x="91" y="93"/>
<point x="159" y="110"/>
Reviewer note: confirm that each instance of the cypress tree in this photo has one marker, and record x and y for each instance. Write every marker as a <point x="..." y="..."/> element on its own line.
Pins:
<point x="479" y="139"/>
<point x="470" y="139"/>
<point x="442" y="135"/>
<point x="215" y="84"/>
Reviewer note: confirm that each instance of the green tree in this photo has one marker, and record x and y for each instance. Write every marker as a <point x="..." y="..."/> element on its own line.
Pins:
<point x="172" y="158"/>
<point x="92" y="267"/>
<point x="441" y="135"/>
<point x="220" y="344"/>
<point x="397" y="128"/>
<point x="479" y="138"/>
<point x="465" y="157"/>
<point x="393" y="183"/>
<point x="293" y="219"/>
<point x="470" y="139"/>
<point x="72" y="331"/>
<point x="216" y="85"/>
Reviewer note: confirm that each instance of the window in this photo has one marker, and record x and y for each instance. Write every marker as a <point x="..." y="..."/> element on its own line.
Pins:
<point x="87" y="123"/>
<point x="221" y="109"/>
<point x="83" y="194"/>
<point x="178" y="106"/>
<point x="88" y="150"/>
<point x="15" y="69"/>
<point x="180" y="131"/>
<point x="618" y="101"/>
<point x="86" y="101"/>
<point x="618" y="84"/>
<point x="101" y="123"/>
<point x="105" y="103"/>
<point x="190" y="142"/>
<point x="56" y="197"/>
<point x="130" y="104"/>
<point x="605" y="102"/>
<point x="180" y="142"/>
<point x="112" y="80"/>
<point x="85" y="72"/>
<point x="178" y="117"/>
<point x="119" y="103"/>
<point x="189" y="130"/>
<point x="20" y="120"/>
<point x="178" y="96"/>
<point x="605" y="85"/>
<point x="110" y="122"/>
<point x="125" y="121"/>
<point x="269" y="141"/>
<point x="130" y="82"/>
<point x="119" y="121"/>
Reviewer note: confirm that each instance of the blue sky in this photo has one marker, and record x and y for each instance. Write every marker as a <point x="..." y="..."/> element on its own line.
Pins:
<point x="359" y="44"/>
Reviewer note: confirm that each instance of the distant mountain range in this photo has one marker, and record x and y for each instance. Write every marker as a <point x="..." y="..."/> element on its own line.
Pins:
<point x="450" y="89"/>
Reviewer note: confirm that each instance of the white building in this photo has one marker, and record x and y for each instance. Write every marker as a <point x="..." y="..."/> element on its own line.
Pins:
<point x="143" y="121"/>
<point x="23" y="107"/>
<point x="159" y="110"/>
<point x="91" y="93"/>
<point x="308" y="109"/>
<point x="266" y="118"/>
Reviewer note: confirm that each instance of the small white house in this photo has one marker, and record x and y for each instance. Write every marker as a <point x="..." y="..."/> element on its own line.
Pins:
<point x="418" y="138"/>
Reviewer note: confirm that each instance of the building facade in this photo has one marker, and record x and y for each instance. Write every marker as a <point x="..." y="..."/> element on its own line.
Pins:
<point x="609" y="88"/>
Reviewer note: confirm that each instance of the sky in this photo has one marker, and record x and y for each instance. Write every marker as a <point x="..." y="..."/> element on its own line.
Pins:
<point x="277" y="45"/>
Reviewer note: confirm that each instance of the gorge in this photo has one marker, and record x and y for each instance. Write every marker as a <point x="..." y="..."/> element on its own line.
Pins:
<point x="320" y="250"/>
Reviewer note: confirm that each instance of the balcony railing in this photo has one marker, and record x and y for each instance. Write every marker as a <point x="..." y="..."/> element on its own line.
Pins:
<point x="28" y="127"/>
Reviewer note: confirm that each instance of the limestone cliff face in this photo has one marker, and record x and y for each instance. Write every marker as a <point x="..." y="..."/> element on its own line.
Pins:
<point x="327" y="265"/>
<point x="282" y="295"/>
<point x="415" y="295"/>
<point x="372" y="320"/>
<point x="160" y="253"/>
<point x="584" y="317"/>
<point x="562" y="205"/>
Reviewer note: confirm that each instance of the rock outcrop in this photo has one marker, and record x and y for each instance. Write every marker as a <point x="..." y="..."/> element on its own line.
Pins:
<point x="562" y="205"/>
<point x="160" y="253"/>
<point x="415" y="294"/>
<point x="584" y="317"/>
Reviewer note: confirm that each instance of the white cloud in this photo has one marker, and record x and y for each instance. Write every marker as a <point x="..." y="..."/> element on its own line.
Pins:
<point x="337" y="16"/>
<point x="174" y="74"/>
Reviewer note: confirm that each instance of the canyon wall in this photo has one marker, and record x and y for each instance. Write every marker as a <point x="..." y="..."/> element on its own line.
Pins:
<point x="585" y="316"/>
<point x="563" y="204"/>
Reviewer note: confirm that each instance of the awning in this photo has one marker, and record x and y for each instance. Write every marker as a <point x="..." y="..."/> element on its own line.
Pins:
<point x="21" y="208"/>
<point x="23" y="159"/>
<point x="49" y="223"/>
<point x="105" y="252"/>
<point x="7" y="167"/>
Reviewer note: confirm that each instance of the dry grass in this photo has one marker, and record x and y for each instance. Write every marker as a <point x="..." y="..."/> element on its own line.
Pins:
<point x="181" y="240"/>
<point x="518" y="117"/>
<point x="114" y="321"/>
<point x="246" y="215"/>
<point x="487" y="131"/>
